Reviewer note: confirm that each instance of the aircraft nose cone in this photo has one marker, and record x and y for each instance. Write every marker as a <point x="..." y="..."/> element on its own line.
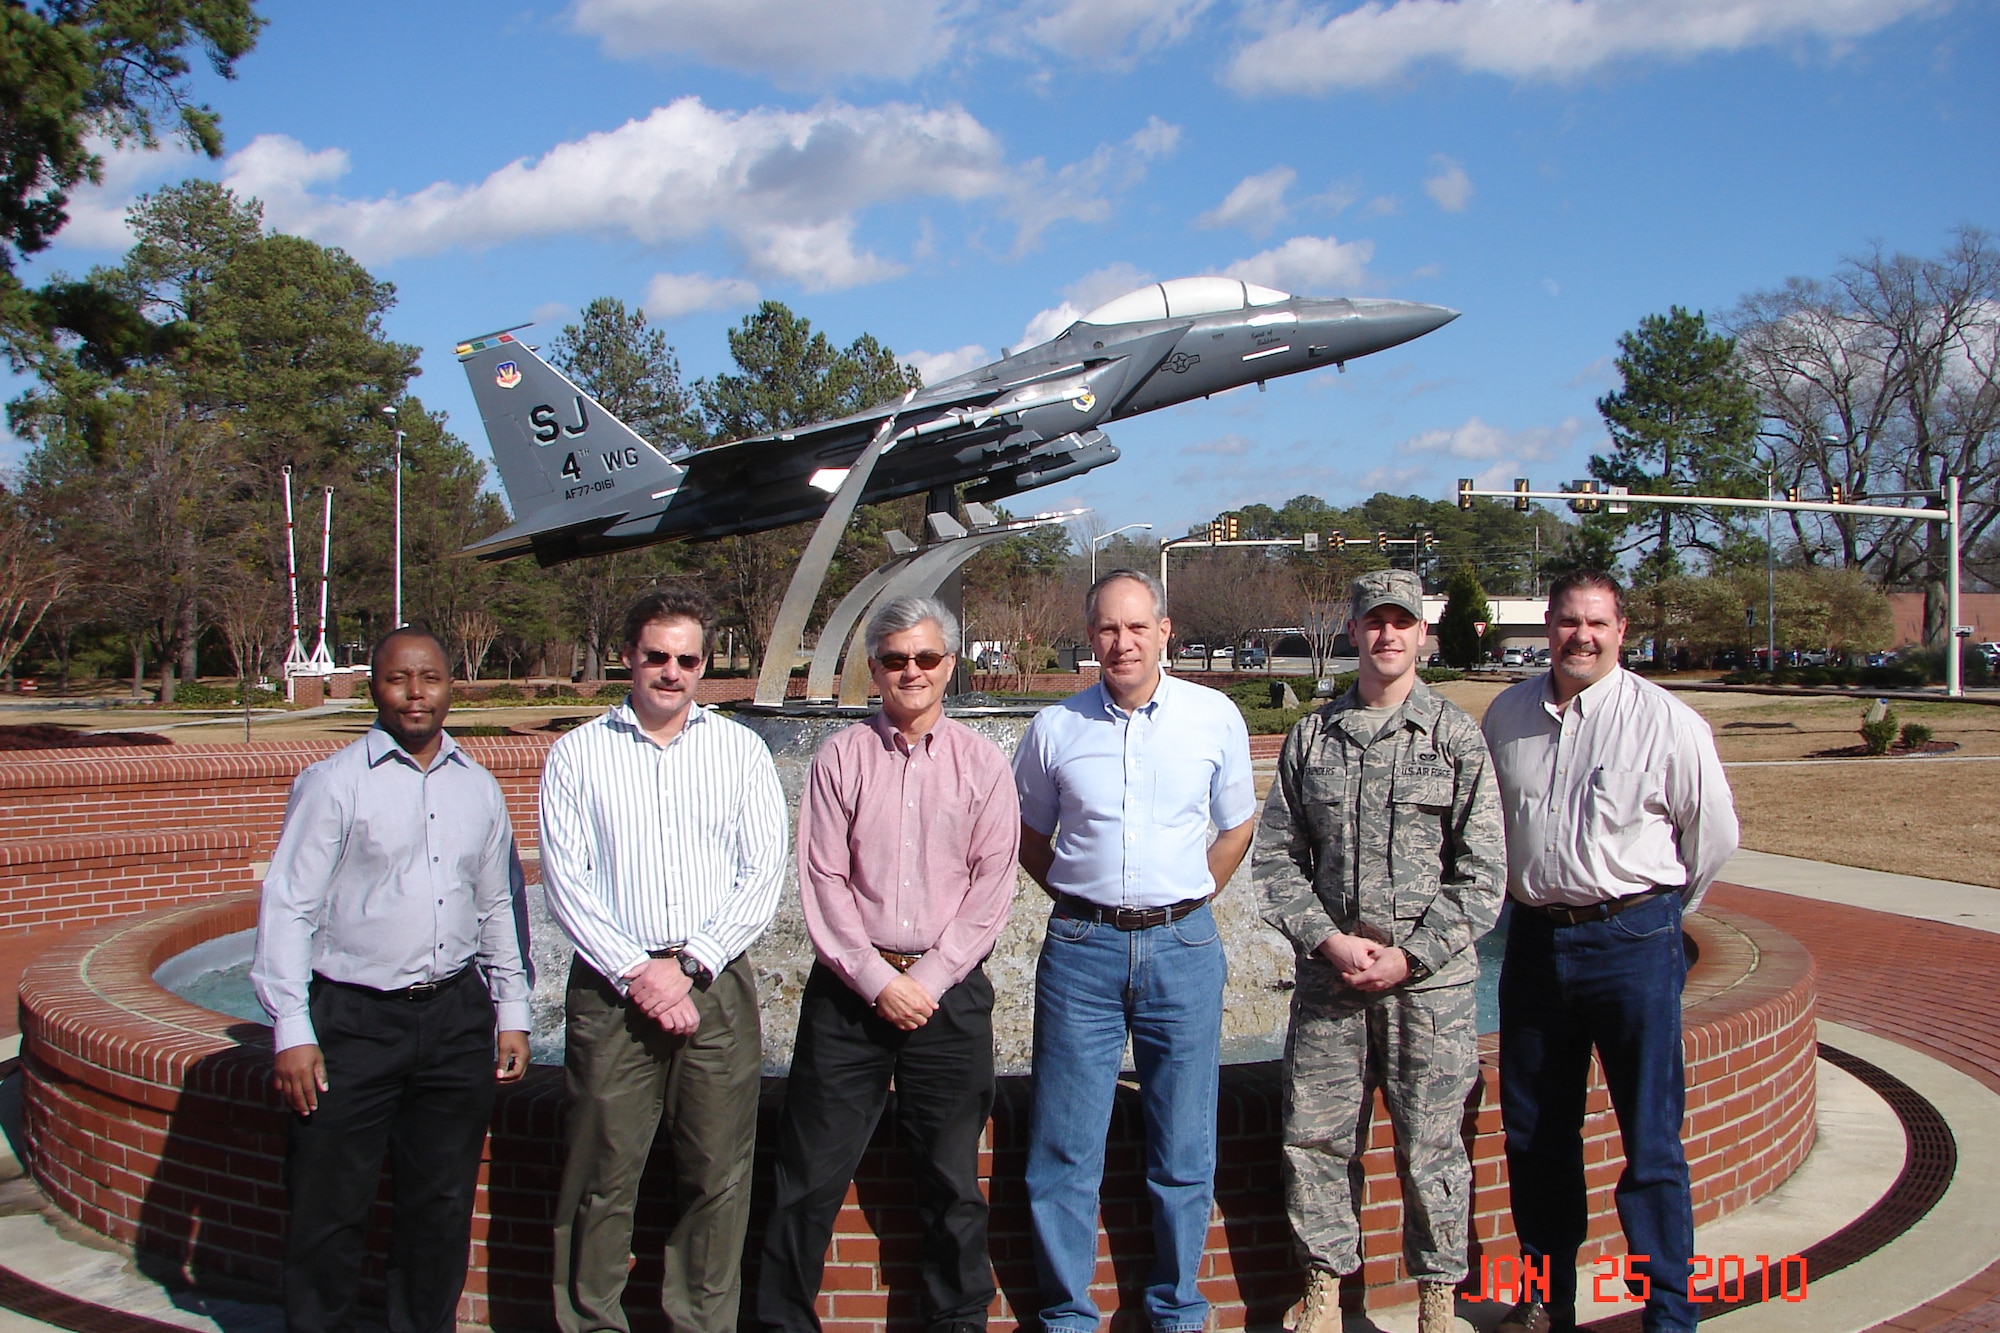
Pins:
<point x="1392" y="323"/>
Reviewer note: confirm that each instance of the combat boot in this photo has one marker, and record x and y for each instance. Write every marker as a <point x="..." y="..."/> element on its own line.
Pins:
<point x="1436" y="1311"/>
<point x="1319" y="1312"/>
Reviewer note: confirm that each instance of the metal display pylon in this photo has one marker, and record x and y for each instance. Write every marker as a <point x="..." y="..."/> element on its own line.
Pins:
<point x="789" y="629"/>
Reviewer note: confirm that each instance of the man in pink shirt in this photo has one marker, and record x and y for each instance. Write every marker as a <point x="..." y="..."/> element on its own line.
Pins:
<point x="908" y="828"/>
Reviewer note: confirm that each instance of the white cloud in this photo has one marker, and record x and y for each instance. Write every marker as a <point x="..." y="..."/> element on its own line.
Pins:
<point x="671" y="295"/>
<point x="1257" y="204"/>
<point x="784" y="188"/>
<point x="1309" y="265"/>
<point x="1157" y="138"/>
<point x="1113" y="30"/>
<point x="1307" y="50"/>
<point x="936" y="367"/>
<point x="1501" y="453"/>
<point x="797" y="43"/>
<point x="1088" y="292"/>
<point x="1450" y="189"/>
<point x="97" y="212"/>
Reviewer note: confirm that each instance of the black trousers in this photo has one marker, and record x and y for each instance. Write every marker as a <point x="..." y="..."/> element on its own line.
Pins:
<point x="842" y="1066"/>
<point x="413" y="1079"/>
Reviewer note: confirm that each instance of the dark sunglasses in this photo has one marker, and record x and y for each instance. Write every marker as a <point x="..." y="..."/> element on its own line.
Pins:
<point x="688" y="661"/>
<point x="926" y="659"/>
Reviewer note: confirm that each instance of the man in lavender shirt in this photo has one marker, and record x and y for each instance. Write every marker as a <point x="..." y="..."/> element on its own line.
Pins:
<point x="907" y="832"/>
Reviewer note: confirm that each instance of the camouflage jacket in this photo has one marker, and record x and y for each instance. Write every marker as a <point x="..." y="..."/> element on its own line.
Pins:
<point x="1396" y="836"/>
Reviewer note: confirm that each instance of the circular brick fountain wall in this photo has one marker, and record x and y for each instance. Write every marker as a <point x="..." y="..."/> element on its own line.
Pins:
<point x="150" y="1120"/>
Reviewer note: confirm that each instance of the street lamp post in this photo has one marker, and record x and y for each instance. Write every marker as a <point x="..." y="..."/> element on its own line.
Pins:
<point x="396" y="612"/>
<point x="1107" y="536"/>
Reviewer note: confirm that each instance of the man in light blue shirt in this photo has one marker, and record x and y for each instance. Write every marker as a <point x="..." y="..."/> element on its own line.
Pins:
<point x="1119" y="787"/>
<point x="389" y="933"/>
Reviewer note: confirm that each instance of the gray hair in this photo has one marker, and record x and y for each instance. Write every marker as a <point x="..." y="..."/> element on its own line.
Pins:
<point x="902" y="613"/>
<point x="1151" y="584"/>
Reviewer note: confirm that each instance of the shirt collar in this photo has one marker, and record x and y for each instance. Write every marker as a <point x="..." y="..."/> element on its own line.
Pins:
<point x="381" y="746"/>
<point x="1420" y="709"/>
<point x="1151" y="707"/>
<point x="893" y="739"/>
<point x="1589" y="699"/>
<point x="623" y="717"/>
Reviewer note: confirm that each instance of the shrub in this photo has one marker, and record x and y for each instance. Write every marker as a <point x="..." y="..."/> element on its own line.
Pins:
<point x="505" y="692"/>
<point x="194" y="694"/>
<point x="1271" y="721"/>
<point x="1915" y="734"/>
<point x="1877" y="735"/>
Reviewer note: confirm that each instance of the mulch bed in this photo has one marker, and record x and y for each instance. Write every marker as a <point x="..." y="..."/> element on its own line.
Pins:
<point x="1897" y="750"/>
<point x="47" y="736"/>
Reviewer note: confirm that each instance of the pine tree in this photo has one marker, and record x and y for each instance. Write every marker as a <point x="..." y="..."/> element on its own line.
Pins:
<point x="1465" y="609"/>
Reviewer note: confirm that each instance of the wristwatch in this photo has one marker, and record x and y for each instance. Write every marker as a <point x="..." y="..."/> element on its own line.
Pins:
<point x="692" y="969"/>
<point x="1419" y="970"/>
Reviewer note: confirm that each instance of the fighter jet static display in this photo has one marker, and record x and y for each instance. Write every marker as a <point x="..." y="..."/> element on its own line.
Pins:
<point x="580" y="482"/>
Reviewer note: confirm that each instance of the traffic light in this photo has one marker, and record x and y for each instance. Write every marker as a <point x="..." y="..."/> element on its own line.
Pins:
<point x="1232" y="527"/>
<point x="1521" y="489"/>
<point x="1836" y="493"/>
<point x="1791" y="495"/>
<point x="1586" y="497"/>
<point x="1337" y="539"/>
<point x="1214" y="531"/>
<point x="1382" y="542"/>
<point x="1430" y="540"/>
<point x="1465" y="492"/>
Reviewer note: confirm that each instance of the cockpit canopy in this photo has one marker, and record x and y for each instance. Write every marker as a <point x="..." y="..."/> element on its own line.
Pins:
<point x="1179" y="298"/>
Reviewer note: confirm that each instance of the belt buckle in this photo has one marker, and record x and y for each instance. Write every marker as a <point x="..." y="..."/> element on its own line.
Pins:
<point x="422" y="990"/>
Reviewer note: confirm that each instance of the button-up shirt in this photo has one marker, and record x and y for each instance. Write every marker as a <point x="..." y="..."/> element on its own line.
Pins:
<point x="1619" y="793"/>
<point x="1384" y="827"/>
<point x="389" y="874"/>
<point x="908" y="848"/>
<point x="1130" y="796"/>
<point x="648" y="846"/>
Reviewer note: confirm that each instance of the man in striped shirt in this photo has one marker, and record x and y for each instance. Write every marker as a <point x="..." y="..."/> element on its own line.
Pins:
<point x="907" y="832"/>
<point x="663" y="847"/>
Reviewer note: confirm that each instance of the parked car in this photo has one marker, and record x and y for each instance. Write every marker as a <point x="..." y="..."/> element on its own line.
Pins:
<point x="1513" y="657"/>
<point x="1882" y="659"/>
<point x="1249" y="659"/>
<point x="1194" y="652"/>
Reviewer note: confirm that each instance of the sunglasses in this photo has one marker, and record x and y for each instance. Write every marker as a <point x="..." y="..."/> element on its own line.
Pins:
<point x="927" y="660"/>
<point x="688" y="661"/>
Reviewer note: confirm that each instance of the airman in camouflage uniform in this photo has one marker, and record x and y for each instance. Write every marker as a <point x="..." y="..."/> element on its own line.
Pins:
<point x="1380" y="855"/>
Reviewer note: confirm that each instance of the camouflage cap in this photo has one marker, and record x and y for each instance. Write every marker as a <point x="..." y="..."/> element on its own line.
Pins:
<point x="1386" y="587"/>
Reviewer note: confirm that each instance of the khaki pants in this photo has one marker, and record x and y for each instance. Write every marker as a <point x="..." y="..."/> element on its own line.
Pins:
<point x="628" y="1081"/>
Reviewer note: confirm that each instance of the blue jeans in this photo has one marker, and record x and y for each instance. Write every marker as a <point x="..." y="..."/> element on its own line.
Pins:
<point x="1614" y="984"/>
<point x="1093" y="986"/>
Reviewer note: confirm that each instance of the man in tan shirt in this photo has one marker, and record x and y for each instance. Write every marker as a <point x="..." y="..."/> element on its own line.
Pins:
<point x="1618" y="818"/>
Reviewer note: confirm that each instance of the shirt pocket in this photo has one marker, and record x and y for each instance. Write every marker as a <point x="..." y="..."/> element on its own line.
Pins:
<point x="1323" y="804"/>
<point x="1417" y="815"/>
<point x="1615" y="800"/>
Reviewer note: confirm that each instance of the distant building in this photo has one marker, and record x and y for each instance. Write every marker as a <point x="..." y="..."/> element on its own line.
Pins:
<point x="1981" y="610"/>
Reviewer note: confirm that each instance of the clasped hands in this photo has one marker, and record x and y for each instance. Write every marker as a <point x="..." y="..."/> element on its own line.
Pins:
<point x="664" y="994"/>
<point x="1365" y="964"/>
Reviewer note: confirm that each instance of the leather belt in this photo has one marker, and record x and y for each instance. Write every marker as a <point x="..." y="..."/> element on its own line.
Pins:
<point x="671" y="951"/>
<point x="420" y="992"/>
<point x="1565" y="915"/>
<point x="1126" y="918"/>
<point x="902" y="962"/>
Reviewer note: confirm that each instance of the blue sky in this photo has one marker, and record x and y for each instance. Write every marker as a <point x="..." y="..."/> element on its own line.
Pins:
<point x="949" y="175"/>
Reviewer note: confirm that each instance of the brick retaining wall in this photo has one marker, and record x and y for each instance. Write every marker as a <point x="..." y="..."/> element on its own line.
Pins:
<point x="151" y="1121"/>
<point x="81" y="839"/>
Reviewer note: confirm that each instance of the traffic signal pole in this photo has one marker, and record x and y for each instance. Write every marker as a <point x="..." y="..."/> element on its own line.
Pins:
<point x="1590" y="501"/>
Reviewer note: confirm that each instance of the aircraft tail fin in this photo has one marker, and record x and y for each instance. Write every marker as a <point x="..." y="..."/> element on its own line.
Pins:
<point x="559" y="452"/>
